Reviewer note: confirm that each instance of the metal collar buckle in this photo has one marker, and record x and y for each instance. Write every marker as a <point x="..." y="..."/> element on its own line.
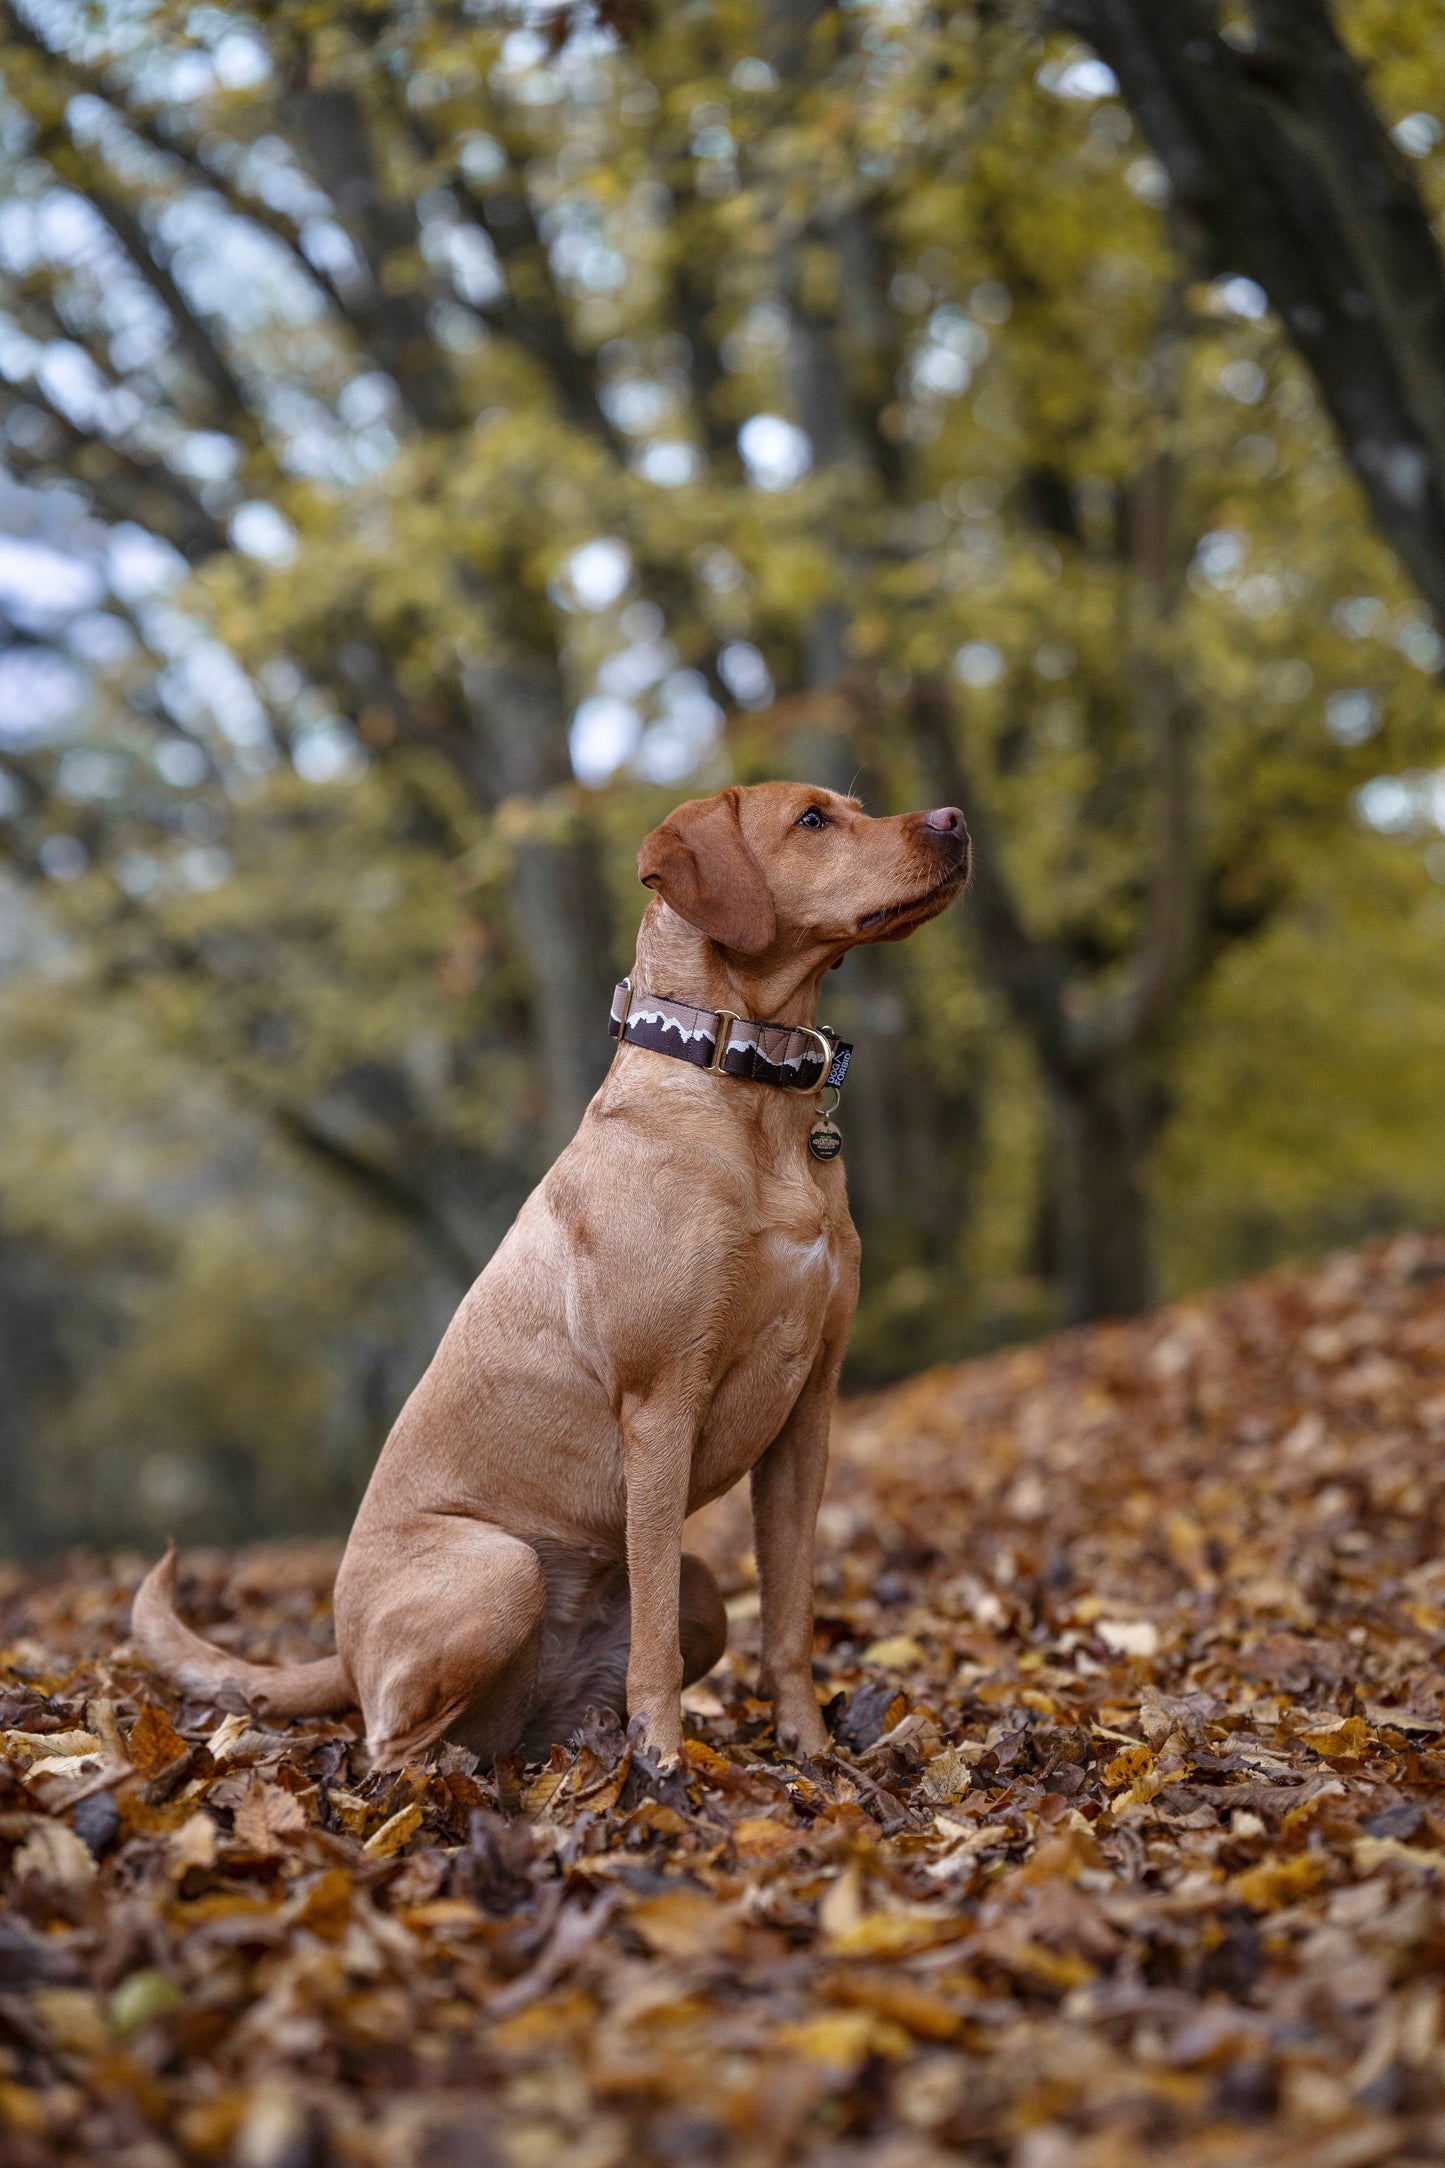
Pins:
<point x="726" y="1018"/>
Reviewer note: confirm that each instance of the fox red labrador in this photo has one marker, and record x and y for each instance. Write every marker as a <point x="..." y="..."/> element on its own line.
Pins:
<point x="667" y="1314"/>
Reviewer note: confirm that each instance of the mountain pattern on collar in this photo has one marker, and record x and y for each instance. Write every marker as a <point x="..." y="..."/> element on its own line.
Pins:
<point x="758" y="1053"/>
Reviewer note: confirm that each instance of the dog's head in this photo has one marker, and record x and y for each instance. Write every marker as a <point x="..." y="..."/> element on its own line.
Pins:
<point x="782" y="870"/>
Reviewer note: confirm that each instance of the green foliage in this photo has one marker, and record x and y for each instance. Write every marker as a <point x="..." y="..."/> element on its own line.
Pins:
<point x="558" y="278"/>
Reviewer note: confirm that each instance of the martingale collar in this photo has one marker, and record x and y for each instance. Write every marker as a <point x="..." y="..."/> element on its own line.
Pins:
<point x="797" y="1057"/>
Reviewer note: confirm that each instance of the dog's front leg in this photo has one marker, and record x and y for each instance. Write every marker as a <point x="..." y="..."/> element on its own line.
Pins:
<point x="787" y="1486"/>
<point x="657" y="1438"/>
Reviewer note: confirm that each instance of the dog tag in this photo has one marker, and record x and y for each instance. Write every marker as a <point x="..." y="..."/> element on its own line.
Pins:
<point x="824" y="1141"/>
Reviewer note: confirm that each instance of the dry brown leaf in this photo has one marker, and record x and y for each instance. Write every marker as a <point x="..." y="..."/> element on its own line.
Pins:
<point x="267" y="1817"/>
<point x="757" y="1836"/>
<point x="193" y="1844"/>
<point x="53" y="1853"/>
<point x="35" y="1746"/>
<point x="1277" y="1882"/>
<point x="684" y="1923"/>
<point x="154" y="1742"/>
<point x="1062" y="1905"/>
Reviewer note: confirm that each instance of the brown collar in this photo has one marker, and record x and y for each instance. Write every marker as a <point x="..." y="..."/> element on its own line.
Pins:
<point x="798" y="1057"/>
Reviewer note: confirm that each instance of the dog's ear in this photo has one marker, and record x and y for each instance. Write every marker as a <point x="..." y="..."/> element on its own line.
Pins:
<point x="699" y="863"/>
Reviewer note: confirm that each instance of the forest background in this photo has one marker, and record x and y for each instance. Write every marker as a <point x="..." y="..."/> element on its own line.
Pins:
<point x="434" y="439"/>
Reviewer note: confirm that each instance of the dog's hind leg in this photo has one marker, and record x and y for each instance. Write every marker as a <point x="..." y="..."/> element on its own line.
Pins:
<point x="590" y="1635"/>
<point x="443" y="1632"/>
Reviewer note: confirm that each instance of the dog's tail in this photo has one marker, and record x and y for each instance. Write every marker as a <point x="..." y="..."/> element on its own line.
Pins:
<point x="202" y="1669"/>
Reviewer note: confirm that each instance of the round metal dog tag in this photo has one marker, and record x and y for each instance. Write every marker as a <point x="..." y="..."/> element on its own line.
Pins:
<point x="824" y="1141"/>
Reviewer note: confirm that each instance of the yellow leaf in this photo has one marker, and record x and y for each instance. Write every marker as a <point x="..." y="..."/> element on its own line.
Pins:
<point x="708" y="1763"/>
<point x="350" y="1810"/>
<point x="394" y="1833"/>
<point x="326" y="1906"/>
<point x="1371" y="1853"/>
<point x="209" y="2129"/>
<point x="1055" y="1968"/>
<point x="73" y="2020"/>
<point x="898" y="1652"/>
<point x="685" y="1923"/>
<point x="895" y="1934"/>
<point x="1345" y="1742"/>
<point x="1278" y="1882"/>
<point x="141" y="1997"/>
<point x="843" y="2039"/>
<point x="570" y="2015"/>
<point x="892" y="1995"/>
<point x="22" y="2108"/>
<point x="1062" y="1857"/>
<point x="760" y="1837"/>
<point x="1135" y="1761"/>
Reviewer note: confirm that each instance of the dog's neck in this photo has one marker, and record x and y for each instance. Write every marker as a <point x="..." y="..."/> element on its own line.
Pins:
<point x="673" y="958"/>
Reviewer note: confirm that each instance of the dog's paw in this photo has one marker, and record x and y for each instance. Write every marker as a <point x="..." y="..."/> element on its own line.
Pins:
<point x="656" y="1740"/>
<point x="801" y="1733"/>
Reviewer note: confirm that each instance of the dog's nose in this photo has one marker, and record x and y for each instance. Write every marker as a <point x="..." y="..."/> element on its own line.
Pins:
<point x="946" y="820"/>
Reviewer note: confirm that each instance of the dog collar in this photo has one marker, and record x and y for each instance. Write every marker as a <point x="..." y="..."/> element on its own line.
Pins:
<point x="797" y="1057"/>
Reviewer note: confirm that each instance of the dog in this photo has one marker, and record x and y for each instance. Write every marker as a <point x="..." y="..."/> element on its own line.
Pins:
<point x="667" y="1314"/>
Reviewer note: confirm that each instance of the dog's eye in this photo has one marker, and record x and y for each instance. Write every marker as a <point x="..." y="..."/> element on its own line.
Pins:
<point x="811" y="819"/>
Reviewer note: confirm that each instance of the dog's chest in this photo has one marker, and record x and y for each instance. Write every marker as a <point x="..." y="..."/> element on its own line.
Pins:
<point x="787" y="1289"/>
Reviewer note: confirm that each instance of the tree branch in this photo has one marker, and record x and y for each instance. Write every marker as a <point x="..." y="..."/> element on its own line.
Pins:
<point x="1028" y="974"/>
<point x="1281" y="168"/>
<point x="329" y="126"/>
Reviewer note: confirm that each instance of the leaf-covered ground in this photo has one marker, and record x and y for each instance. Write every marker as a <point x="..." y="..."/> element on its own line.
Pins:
<point x="1132" y="1846"/>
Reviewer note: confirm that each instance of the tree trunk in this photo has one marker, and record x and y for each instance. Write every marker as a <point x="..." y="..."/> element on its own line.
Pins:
<point x="1103" y="1120"/>
<point x="1280" y="167"/>
<point x="560" y="906"/>
<point x="31" y="1368"/>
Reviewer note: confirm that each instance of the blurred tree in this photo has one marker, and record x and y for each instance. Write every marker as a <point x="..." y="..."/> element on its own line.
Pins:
<point x="519" y="397"/>
<point x="1280" y="167"/>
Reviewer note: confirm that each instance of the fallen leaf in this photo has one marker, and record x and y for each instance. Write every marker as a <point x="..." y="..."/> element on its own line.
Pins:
<point x="154" y="1742"/>
<point x="682" y="1923"/>
<point x="895" y="1935"/>
<point x="899" y="1652"/>
<point x="223" y="1739"/>
<point x="52" y="1853"/>
<point x="141" y="1997"/>
<point x="759" y="1837"/>
<point x="193" y="1844"/>
<point x="267" y="1816"/>
<point x="842" y="2040"/>
<point x="73" y="2020"/>
<point x="1128" y="1767"/>
<point x="398" y="1830"/>
<point x="947" y="1777"/>
<point x="1346" y="1741"/>
<point x="1277" y="1882"/>
<point x="1129" y="1636"/>
<point x="37" y="1746"/>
